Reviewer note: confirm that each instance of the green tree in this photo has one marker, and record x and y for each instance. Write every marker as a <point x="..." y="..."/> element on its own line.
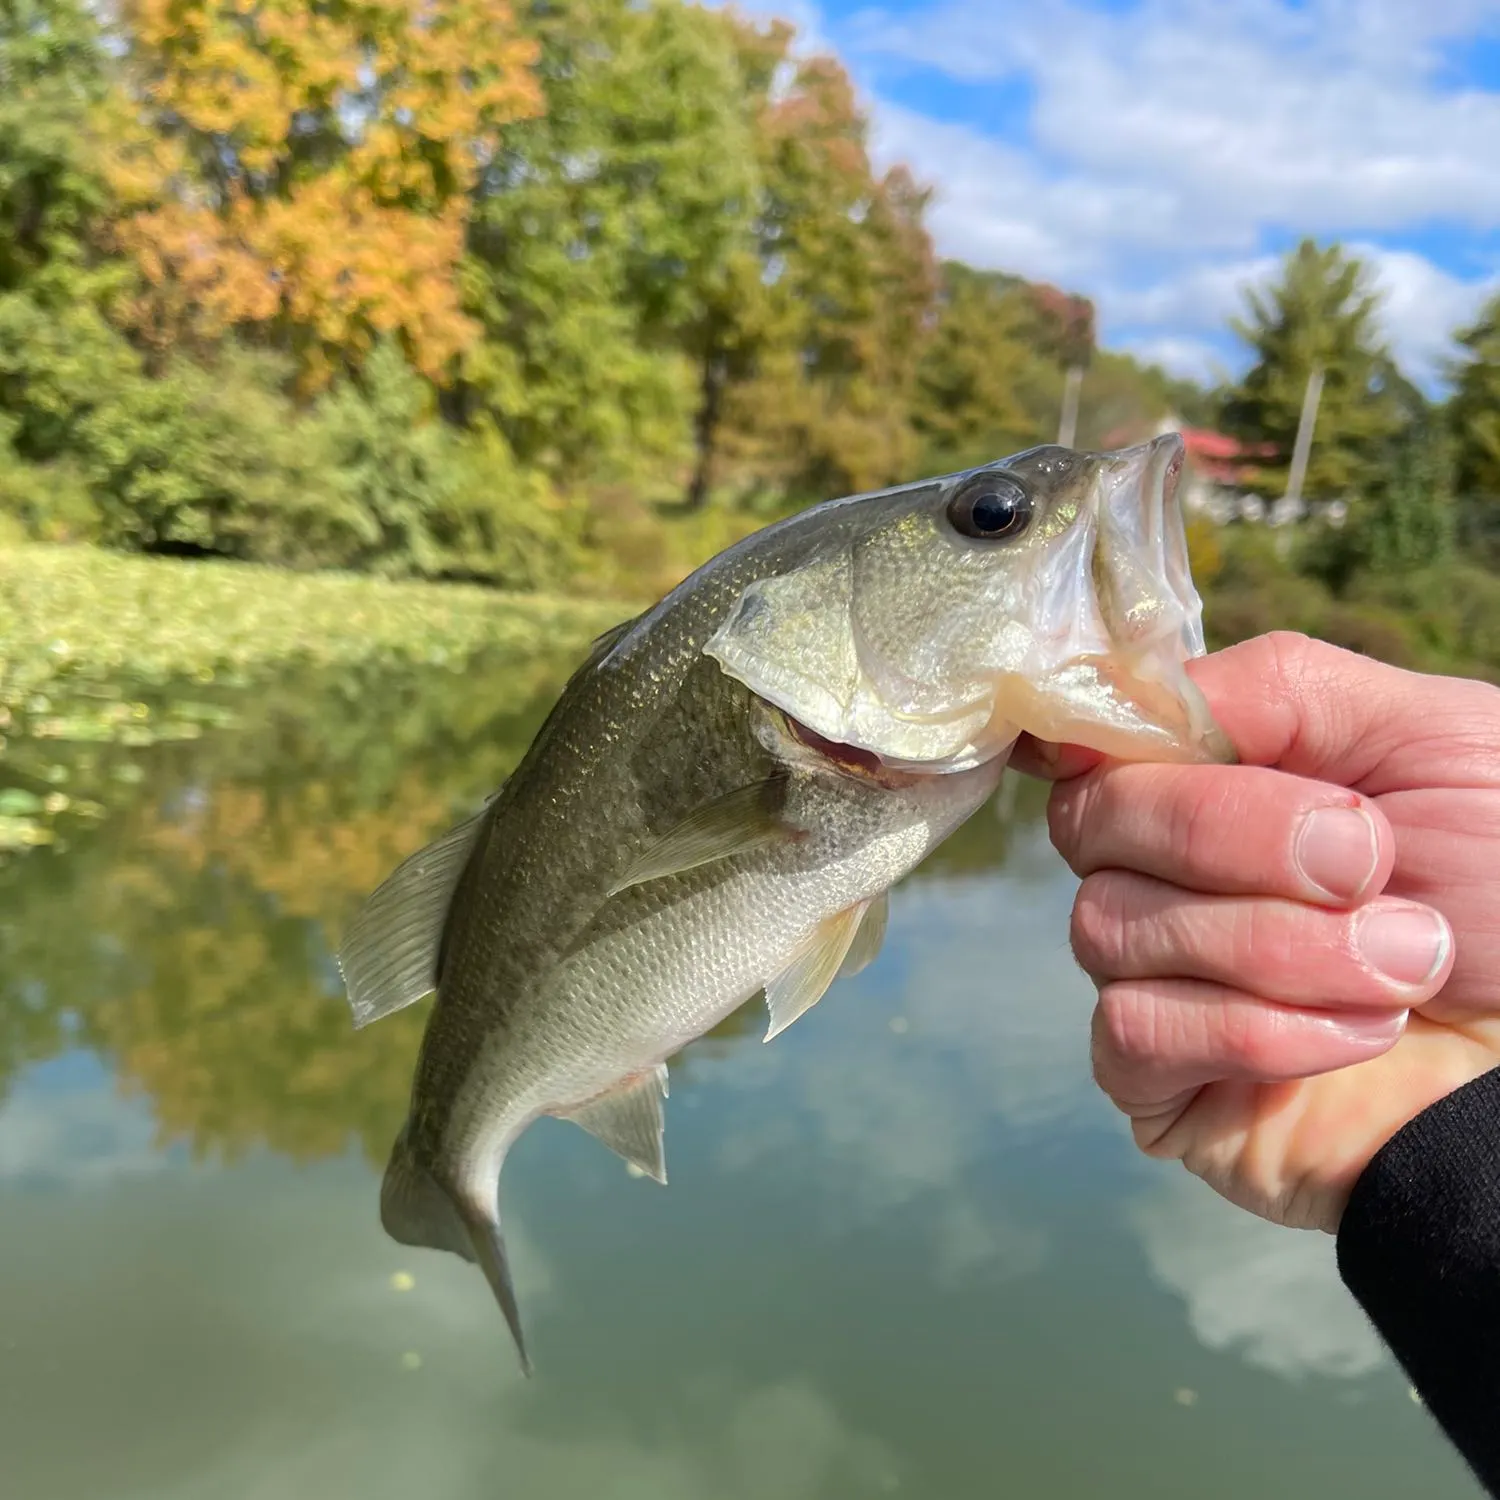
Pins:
<point x="1404" y="523"/>
<point x="607" y="234"/>
<point x="52" y="69"/>
<point x="1408" y="520"/>
<point x="824" y="406"/>
<point x="59" y="356"/>
<point x="422" y="498"/>
<point x="1474" y="408"/>
<point x="969" y="399"/>
<point x="1322" y="313"/>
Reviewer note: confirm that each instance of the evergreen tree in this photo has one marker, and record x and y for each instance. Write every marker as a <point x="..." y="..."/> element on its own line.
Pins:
<point x="1322" y="313"/>
<point x="1474" y="409"/>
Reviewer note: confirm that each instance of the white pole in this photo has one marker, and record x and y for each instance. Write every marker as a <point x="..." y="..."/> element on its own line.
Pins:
<point x="1302" y="448"/>
<point x="1067" y="427"/>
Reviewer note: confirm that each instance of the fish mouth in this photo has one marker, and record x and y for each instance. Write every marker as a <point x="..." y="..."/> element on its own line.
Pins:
<point x="851" y="760"/>
<point x="1148" y="597"/>
<point x="1117" y="682"/>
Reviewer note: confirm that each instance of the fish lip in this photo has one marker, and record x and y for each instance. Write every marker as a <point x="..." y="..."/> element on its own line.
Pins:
<point x="1139" y="512"/>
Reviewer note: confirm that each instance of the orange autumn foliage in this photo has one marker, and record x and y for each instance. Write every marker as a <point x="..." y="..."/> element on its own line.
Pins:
<point x="306" y="170"/>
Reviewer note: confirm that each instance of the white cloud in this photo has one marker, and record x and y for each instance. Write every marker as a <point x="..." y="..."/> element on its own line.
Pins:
<point x="1168" y="143"/>
<point x="991" y="1043"/>
<point x="1422" y="304"/>
<point x="1239" y="111"/>
<point x="1273" y="1295"/>
<point x="993" y="206"/>
<point x="1179" y="354"/>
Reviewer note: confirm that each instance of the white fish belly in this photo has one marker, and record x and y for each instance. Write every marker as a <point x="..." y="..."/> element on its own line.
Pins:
<point x="673" y="958"/>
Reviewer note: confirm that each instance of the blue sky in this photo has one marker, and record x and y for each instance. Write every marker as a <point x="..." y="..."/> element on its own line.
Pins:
<point x="1159" y="155"/>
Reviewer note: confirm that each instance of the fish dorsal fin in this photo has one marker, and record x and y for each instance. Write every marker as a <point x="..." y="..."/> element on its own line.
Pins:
<point x="804" y="982"/>
<point x="603" y="644"/>
<point x="868" y="939"/>
<point x="389" y="959"/>
<point x="744" y="819"/>
<point x="628" y="1119"/>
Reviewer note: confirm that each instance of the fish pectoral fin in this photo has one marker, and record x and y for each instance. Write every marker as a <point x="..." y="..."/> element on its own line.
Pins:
<point x="746" y="818"/>
<point x="868" y="938"/>
<point x="799" y="987"/>
<point x="628" y="1119"/>
<point x="416" y="1209"/>
<point x="389" y="959"/>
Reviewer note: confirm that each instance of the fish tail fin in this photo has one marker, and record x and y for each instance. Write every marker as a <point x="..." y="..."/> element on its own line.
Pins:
<point x="490" y="1245"/>
<point x="417" y="1209"/>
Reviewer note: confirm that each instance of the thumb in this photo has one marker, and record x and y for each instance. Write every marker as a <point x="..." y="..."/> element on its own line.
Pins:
<point x="1318" y="711"/>
<point x="1315" y="710"/>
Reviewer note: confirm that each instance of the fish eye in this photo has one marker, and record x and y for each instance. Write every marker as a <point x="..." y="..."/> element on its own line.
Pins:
<point x="991" y="508"/>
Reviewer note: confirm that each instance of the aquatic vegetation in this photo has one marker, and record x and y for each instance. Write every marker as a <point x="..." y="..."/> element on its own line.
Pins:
<point x="102" y="655"/>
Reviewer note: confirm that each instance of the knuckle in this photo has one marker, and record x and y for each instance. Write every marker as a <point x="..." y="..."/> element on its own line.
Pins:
<point x="1196" y="825"/>
<point x="1096" y="928"/>
<point x="1291" y="653"/>
<point x="1071" y="809"/>
<point x="1266" y="942"/>
<point x="1248" y="1039"/>
<point x="1127" y="1033"/>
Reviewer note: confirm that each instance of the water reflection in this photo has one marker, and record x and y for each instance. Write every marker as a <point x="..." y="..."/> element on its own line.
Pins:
<point x="907" y="1249"/>
<point x="1272" y="1295"/>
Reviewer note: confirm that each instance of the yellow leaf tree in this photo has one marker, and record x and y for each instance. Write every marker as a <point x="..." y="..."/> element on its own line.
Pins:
<point x="302" y="170"/>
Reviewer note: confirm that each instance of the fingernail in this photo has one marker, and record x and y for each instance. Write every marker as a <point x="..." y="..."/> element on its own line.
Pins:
<point x="1408" y="944"/>
<point x="1337" y="850"/>
<point x="1373" y="1026"/>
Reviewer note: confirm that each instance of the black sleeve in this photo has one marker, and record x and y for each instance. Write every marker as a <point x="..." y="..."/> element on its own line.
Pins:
<point x="1419" y="1247"/>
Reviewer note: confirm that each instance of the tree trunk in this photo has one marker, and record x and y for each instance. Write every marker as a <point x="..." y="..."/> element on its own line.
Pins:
<point x="706" y="426"/>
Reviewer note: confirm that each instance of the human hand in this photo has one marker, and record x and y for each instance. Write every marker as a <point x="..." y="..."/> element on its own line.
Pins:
<point x="1295" y="955"/>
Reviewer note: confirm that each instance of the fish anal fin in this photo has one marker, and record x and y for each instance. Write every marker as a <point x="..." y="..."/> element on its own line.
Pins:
<point x="389" y="959"/>
<point x="747" y="818"/>
<point x="799" y="987"/>
<point x="416" y="1209"/>
<point x="628" y="1119"/>
<point x="868" y="938"/>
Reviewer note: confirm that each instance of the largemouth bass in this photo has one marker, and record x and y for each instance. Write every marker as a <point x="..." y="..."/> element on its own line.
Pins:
<point x="731" y="783"/>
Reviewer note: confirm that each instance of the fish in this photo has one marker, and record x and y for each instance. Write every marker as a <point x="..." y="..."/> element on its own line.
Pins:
<point x="729" y="785"/>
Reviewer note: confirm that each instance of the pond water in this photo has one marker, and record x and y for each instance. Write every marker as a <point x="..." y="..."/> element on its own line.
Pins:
<point x="907" y="1249"/>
